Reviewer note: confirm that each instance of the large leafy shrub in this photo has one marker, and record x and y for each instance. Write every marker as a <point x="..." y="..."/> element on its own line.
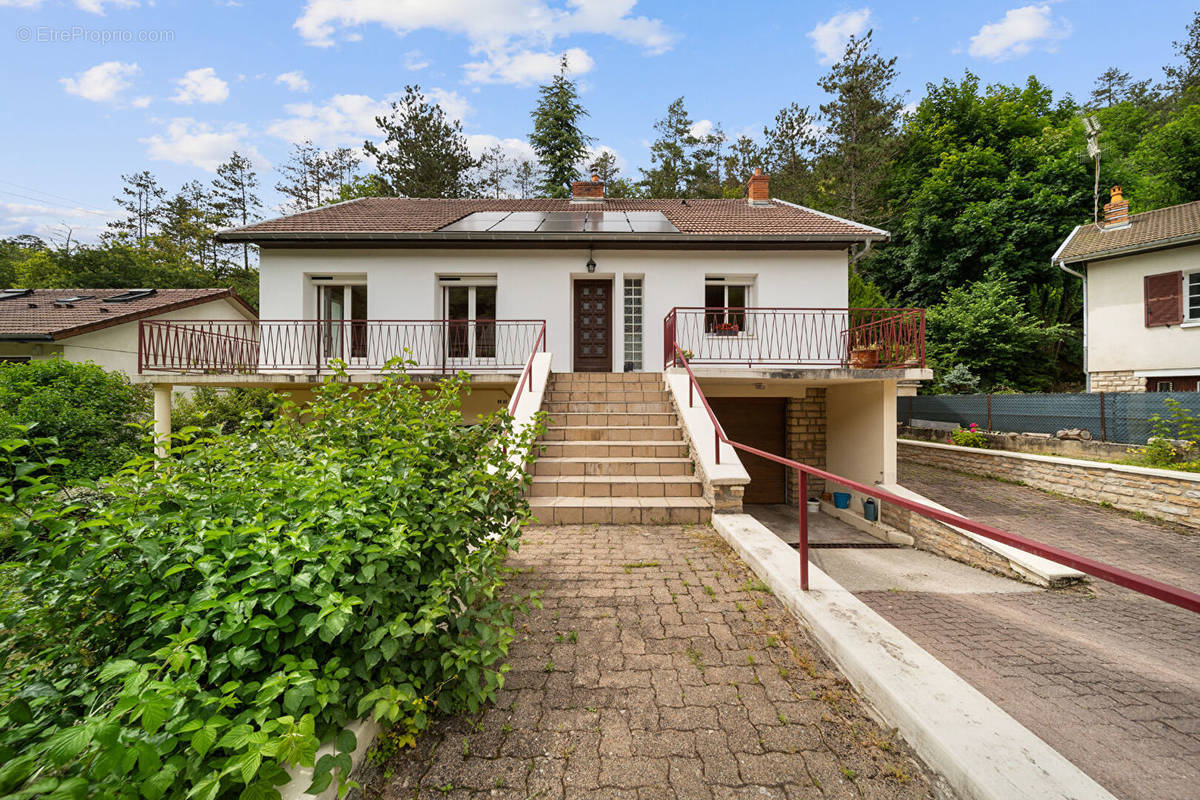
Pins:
<point x="226" y="409"/>
<point x="93" y="414"/>
<point x="193" y="624"/>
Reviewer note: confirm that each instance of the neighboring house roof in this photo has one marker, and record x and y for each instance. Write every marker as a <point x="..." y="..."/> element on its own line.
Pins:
<point x="390" y="218"/>
<point x="1150" y="230"/>
<point x="52" y="314"/>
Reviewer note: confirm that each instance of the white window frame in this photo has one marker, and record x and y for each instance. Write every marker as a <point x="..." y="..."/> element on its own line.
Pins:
<point x="748" y="282"/>
<point x="633" y="321"/>
<point x="334" y="332"/>
<point x="472" y="284"/>
<point x="1191" y="296"/>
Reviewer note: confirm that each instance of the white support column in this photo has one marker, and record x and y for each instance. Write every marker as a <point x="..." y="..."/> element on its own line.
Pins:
<point x="162" y="418"/>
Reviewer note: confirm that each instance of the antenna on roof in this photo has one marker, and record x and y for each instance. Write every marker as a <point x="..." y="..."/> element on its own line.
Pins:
<point x="1091" y="127"/>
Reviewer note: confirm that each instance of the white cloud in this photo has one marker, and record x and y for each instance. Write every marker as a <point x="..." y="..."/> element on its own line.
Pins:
<point x="199" y="144"/>
<point x="525" y="68"/>
<point x="701" y="128"/>
<point x="294" y="80"/>
<point x="415" y="61"/>
<point x="829" y="37"/>
<point x="102" y="83"/>
<point x="594" y="153"/>
<point x="348" y="119"/>
<point x="512" y="36"/>
<point x="97" y="6"/>
<point x="515" y="149"/>
<point x="1018" y="32"/>
<point x="201" y="86"/>
<point x="51" y="222"/>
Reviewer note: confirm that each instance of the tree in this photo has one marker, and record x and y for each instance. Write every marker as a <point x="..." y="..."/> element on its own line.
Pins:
<point x="494" y="171"/>
<point x="669" y="154"/>
<point x="423" y="153"/>
<point x="1167" y="162"/>
<point x="234" y="196"/>
<point x="1182" y="78"/>
<point x="560" y="144"/>
<point x="526" y="178"/>
<point x="743" y="156"/>
<point x="789" y="152"/>
<point x="861" y="119"/>
<point x="1114" y="86"/>
<point x="303" y="177"/>
<point x="604" y="166"/>
<point x="189" y="221"/>
<point x="141" y="199"/>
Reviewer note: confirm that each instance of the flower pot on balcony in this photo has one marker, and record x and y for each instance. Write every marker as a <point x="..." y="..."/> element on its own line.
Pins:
<point x="725" y="329"/>
<point x="864" y="357"/>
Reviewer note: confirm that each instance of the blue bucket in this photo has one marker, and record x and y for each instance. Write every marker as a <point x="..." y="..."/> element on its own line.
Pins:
<point x="841" y="499"/>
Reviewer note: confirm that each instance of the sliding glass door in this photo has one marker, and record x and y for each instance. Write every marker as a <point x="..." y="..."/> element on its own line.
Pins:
<point x="470" y="311"/>
<point x="342" y="315"/>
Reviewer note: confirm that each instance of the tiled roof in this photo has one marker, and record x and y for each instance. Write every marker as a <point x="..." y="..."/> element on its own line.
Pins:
<point x="1145" y="232"/>
<point x="390" y="215"/>
<point x="40" y="314"/>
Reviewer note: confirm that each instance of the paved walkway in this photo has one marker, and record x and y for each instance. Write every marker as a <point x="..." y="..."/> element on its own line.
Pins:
<point x="1109" y="678"/>
<point x="657" y="668"/>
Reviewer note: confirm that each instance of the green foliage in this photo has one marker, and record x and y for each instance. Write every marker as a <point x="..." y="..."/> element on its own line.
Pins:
<point x="201" y="621"/>
<point x="224" y="409"/>
<point x="959" y="380"/>
<point x="865" y="294"/>
<point x="557" y="138"/>
<point x="1175" y="439"/>
<point x="93" y="415"/>
<point x="424" y="153"/>
<point x="985" y="323"/>
<point x="969" y="437"/>
<point x="684" y="164"/>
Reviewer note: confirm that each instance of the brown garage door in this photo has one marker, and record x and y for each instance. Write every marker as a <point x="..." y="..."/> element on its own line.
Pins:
<point x="758" y="422"/>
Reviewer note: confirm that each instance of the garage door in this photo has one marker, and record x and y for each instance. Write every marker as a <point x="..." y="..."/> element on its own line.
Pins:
<point x="758" y="422"/>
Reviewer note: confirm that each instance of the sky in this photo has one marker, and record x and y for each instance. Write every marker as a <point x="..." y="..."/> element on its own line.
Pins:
<point x="93" y="89"/>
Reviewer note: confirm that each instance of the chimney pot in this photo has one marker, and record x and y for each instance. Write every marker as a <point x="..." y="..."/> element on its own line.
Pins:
<point x="758" y="188"/>
<point x="588" y="191"/>
<point x="1116" y="210"/>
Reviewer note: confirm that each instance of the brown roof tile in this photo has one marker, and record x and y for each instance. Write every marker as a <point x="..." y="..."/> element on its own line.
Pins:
<point x="698" y="217"/>
<point x="38" y="315"/>
<point x="1145" y="232"/>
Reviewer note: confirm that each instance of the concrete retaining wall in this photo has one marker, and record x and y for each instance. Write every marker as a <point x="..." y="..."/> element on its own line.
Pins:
<point x="1039" y="444"/>
<point x="1160" y="493"/>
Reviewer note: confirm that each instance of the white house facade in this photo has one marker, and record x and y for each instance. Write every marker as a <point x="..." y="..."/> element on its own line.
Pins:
<point x="1141" y="276"/>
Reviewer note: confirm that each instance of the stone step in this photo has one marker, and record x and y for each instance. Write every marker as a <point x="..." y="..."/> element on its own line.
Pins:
<point x="624" y="433"/>
<point x="601" y="419"/>
<point x="616" y="486"/>
<point x="620" y="510"/>
<point x="573" y="407"/>
<point x="621" y="395"/>
<point x="576" y="465"/>
<point x="653" y="378"/>
<point x="616" y="449"/>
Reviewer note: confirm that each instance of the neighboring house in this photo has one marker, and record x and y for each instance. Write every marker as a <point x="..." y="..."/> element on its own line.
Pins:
<point x="755" y="292"/>
<point x="1141" y="278"/>
<point x="100" y="325"/>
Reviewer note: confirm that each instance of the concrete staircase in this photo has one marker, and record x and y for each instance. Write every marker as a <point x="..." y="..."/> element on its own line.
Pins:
<point x="613" y="453"/>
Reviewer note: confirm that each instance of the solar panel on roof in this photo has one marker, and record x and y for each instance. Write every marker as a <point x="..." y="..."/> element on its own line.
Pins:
<point x="563" y="222"/>
<point x="652" y="224"/>
<point x="8" y="294"/>
<point x="478" y="221"/>
<point x="130" y="296"/>
<point x="519" y="222"/>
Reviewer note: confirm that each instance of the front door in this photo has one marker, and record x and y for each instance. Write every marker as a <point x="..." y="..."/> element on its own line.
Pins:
<point x="593" y="326"/>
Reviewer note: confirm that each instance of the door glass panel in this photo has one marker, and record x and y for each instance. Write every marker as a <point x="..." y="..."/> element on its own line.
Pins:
<point x="714" y="298"/>
<point x="458" y="311"/>
<point x="737" y="299"/>
<point x="332" y="312"/>
<point x="358" y="328"/>
<point x="485" y="328"/>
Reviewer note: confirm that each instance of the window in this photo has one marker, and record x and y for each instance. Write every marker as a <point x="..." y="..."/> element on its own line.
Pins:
<point x="726" y="300"/>
<point x="633" y="324"/>
<point x="1192" y="296"/>
<point x="469" y="305"/>
<point x="342" y="312"/>
<point x="1164" y="386"/>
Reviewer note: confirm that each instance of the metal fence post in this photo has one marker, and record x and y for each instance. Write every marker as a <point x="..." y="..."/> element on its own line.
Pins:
<point x="989" y="404"/>
<point x="1103" y="420"/>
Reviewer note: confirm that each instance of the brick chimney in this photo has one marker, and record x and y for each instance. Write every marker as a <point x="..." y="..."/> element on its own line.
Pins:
<point x="588" y="191"/>
<point x="1116" y="211"/>
<point x="758" y="189"/>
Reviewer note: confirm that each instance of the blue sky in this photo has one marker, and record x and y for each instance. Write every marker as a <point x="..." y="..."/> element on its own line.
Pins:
<point x="96" y="88"/>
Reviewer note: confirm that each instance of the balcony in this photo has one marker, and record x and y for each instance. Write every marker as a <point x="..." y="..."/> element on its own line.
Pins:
<point x="312" y="347"/>
<point x="863" y="338"/>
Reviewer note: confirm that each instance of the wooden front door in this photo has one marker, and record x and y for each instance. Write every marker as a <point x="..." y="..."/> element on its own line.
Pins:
<point x="593" y="326"/>
<point x="758" y="422"/>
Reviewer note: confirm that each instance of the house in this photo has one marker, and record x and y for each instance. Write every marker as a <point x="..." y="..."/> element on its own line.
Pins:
<point x="1141" y="298"/>
<point x="101" y="325"/>
<point x="600" y="296"/>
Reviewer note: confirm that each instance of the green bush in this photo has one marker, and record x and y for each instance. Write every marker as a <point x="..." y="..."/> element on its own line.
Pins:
<point x="1174" y="440"/>
<point x="964" y="437"/>
<point x="194" y="624"/>
<point x="92" y="413"/>
<point x="225" y="409"/>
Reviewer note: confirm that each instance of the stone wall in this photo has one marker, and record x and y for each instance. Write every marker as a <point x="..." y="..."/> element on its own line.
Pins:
<point x="1163" y="494"/>
<point x="938" y="537"/>
<point x="1042" y="444"/>
<point x="805" y="429"/>
<point x="1117" y="381"/>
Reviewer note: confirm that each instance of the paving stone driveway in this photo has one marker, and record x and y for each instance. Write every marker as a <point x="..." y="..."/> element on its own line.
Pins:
<point x="657" y="668"/>
<point x="1109" y="678"/>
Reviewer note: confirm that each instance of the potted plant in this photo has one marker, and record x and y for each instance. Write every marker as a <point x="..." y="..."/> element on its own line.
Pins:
<point x="725" y="329"/>
<point x="864" y="356"/>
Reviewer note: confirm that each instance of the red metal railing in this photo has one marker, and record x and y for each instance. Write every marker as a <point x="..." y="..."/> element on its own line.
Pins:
<point x="527" y="373"/>
<point x="308" y="346"/>
<point x="866" y="337"/>
<point x="1097" y="569"/>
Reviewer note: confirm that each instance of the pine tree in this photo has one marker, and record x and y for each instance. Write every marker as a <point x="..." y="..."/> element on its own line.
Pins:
<point x="141" y="199"/>
<point x="670" y="154"/>
<point x="604" y="166"/>
<point x="744" y="155"/>
<point x="560" y="144"/>
<point x="303" y="178"/>
<point x="1184" y="77"/>
<point x="423" y="153"/>
<point x="789" y="151"/>
<point x="495" y="168"/>
<point x="861" y="121"/>
<point x="234" y="196"/>
<point x="526" y="178"/>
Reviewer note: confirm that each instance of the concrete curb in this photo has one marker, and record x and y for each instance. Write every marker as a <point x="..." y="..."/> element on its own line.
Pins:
<point x="980" y="751"/>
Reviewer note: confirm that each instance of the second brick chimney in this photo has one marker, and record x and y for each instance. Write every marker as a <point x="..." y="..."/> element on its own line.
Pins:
<point x="588" y="191"/>
<point x="1116" y="211"/>
<point x="758" y="188"/>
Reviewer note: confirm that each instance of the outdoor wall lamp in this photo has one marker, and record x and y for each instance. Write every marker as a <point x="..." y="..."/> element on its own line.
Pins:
<point x="591" y="262"/>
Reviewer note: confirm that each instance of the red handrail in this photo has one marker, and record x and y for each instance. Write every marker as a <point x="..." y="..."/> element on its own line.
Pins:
<point x="527" y="373"/>
<point x="1098" y="569"/>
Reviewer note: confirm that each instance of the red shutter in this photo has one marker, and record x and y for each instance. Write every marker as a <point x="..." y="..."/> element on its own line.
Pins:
<point x="1164" y="299"/>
